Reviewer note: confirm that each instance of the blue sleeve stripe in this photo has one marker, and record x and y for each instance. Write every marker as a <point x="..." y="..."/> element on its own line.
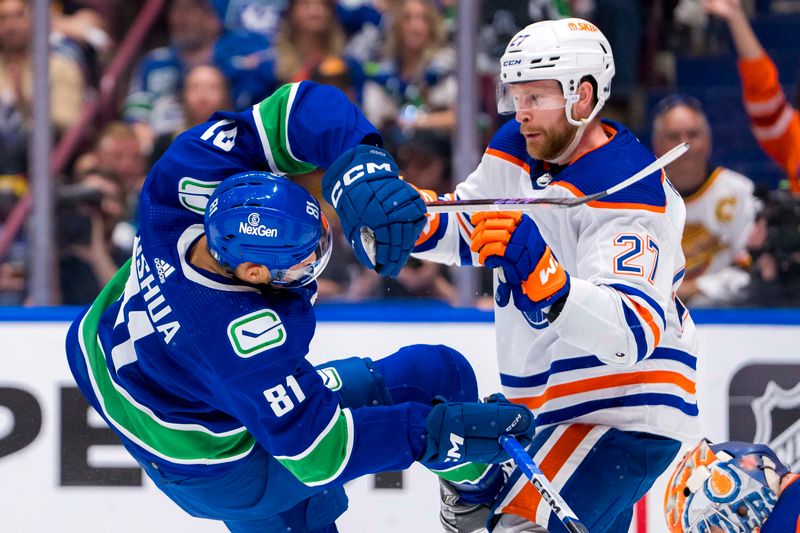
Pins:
<point x="589" y="361"/>
<point x="636" y="400"/>
<point x="434" y="239"/>
<point x="678" y="275"/>
<point x="672" y="354"/>
<point x="681" y="309"/>
<point x="464" y="253"/>
<point x="562" y="365"/>
<point x="632" y="291"/>
<point x="463" y="223"/>
<point x="635" y="325"/>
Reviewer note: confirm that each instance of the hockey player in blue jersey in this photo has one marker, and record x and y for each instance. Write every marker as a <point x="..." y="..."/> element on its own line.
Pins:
<point x="194" y="353"/>
<point x="732" y="487"/>
<point x="589" y="332"/>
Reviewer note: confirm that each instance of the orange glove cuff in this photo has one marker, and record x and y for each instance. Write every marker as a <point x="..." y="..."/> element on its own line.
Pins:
<point x="546" y="279"/>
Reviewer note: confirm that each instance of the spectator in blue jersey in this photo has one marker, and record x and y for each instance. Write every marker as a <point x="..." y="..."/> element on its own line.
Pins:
<point x="732" y="486"/>
<point x="196" y="37"/>
<point x="195" y="352"/>
<point x="413" y="86"/>
<point x="259" y="16"/>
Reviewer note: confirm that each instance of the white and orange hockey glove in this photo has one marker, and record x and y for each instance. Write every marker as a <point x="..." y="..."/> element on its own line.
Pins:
<point x="511" y="241"/>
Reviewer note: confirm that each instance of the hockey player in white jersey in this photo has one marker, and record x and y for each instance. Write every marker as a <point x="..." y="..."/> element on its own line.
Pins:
<point x="590" y="334"/>
<point x="720" y="207"/>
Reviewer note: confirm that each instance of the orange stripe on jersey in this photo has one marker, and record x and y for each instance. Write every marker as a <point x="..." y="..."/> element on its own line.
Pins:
<point x="463" y="224"/>
<point x="525" y="503"/>
<point x="606" y="382"/>
<point x="510" y="158"/>
<point x="609" y="131"/>
<point x="645" y="314"/>
<point x="613" y="205"/>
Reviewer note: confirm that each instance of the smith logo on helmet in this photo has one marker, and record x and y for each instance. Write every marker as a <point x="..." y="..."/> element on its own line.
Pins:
<point x="261" y="231"/>
<point x="582" y="26"/>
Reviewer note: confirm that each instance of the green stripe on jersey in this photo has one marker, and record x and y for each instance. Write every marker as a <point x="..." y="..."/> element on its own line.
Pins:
<point x="177" y="443"/>
<point x="327" y="456"/>
<point x="272" y="117"/>
<point x="466" y="473"/>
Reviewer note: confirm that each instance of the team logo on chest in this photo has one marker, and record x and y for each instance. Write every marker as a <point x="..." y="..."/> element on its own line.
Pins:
<point x="256" y="332"/>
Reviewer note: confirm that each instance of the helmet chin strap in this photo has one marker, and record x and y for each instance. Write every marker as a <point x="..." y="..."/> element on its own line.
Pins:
<point x="566" y="154"/>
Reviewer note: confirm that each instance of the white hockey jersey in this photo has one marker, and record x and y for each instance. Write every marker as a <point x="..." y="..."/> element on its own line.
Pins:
<point x="719" y="219"/>
<point x="623" y="351"/>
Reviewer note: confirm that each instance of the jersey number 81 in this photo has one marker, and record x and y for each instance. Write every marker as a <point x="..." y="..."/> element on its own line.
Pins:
<point x="279" y="399"/>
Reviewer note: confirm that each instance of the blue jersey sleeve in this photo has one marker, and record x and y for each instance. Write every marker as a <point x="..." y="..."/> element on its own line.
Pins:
<point x="785" y="516"/>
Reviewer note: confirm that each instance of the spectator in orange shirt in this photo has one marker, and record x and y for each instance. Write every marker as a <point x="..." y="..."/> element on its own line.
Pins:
<point x="775" y="124"/>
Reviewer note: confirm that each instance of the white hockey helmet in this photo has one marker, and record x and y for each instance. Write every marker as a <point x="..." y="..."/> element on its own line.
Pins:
<point x="565" y="50"/>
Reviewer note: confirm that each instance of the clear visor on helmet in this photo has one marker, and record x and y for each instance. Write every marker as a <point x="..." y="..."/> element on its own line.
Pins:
<point x="309" y="269"/>
<point x="513" y="97"/>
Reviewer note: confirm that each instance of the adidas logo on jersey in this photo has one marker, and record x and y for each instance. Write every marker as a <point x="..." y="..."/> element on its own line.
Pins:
<point x="163" y="269"/>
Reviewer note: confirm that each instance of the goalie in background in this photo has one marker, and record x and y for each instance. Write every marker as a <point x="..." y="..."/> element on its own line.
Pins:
<point x="589" y="333"/>
<point x="732" y="487"/>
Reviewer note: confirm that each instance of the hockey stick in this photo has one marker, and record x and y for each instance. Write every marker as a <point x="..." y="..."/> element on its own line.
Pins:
<point x="542" y="484"/>
<point x="528" y="204"/>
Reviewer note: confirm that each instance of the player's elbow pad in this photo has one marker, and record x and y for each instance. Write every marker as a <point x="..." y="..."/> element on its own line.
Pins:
<point x="586" y="322"/>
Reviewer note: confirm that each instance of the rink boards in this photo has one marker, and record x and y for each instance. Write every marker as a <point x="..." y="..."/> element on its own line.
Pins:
<point x="62" y="470"/>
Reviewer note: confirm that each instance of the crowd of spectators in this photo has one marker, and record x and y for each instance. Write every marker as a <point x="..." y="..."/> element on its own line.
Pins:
<point x="396" y="60"/>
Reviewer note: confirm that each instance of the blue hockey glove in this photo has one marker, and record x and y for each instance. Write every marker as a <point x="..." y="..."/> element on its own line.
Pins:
<point x="469" y="432"/>
<point x="512" y="242"/>
<point x="364" y="188"/>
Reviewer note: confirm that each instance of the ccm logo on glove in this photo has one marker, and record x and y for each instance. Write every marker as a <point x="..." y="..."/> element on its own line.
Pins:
<point x="358" y="171"/>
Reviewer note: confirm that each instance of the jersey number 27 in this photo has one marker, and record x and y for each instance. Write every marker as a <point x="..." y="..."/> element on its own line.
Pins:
<point x="639" y="257"/>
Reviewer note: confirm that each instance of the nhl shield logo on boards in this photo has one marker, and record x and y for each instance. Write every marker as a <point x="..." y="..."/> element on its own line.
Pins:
<point x="765" y="408"/>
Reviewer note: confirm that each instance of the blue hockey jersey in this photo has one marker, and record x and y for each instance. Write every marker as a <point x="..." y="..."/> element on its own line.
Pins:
<point x="785" y="517"/>
<point x="194" y="370"/>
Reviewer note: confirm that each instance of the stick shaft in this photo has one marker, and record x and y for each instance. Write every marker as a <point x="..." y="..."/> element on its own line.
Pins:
<point x="530" y="204"/>
<point x="542" y="484"/>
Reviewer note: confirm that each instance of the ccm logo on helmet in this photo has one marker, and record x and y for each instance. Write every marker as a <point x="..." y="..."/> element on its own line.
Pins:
<point x="352" y="175"/>
<point x="511" y="62"/>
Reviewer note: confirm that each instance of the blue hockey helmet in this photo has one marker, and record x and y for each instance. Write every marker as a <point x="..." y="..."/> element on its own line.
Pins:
<point x="732" y="485"/>
<point x="266" y="219"/>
